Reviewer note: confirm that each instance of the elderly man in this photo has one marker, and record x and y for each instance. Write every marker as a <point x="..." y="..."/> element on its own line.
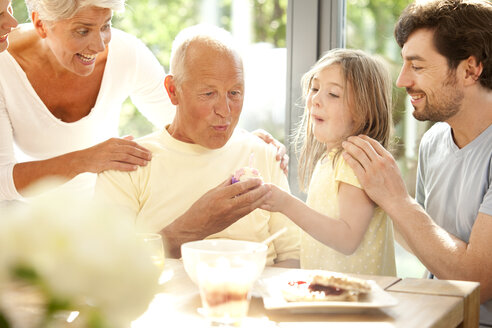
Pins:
<point x="447" y="71"/>
<point x="185" y="192"/>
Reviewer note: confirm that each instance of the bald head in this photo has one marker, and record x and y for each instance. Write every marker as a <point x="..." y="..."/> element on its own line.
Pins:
<point x="205" y="60"/>
<point x="194" y="43"/>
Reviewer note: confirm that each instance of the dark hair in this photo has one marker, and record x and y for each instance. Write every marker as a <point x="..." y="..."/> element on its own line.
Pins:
<point x="462" y="28"/>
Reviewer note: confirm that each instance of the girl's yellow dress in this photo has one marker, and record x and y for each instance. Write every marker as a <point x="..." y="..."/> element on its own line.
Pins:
<point x="375" y="254"/>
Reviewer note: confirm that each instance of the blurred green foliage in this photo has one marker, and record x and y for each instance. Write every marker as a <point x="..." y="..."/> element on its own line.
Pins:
<point x="20" y="11"/>
<point x="156" y="23"/>
<point x="370" y="25"/>
<point x="270" y="19"/>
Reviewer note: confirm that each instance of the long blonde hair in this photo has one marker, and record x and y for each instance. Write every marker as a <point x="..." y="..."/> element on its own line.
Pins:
<point x="371" y="86"/>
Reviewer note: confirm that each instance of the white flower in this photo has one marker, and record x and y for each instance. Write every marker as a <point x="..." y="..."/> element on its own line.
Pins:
<point x="82" y="252"/>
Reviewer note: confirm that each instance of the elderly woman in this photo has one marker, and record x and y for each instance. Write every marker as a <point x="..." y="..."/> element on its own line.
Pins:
<point x="61" y="89"/>
<point x="7" y="23"/>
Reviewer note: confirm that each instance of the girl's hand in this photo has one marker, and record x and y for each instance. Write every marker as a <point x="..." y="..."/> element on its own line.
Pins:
<point x="275" y="200"/>
<point x="281" y="149"/>
<point x="122" y="154"/>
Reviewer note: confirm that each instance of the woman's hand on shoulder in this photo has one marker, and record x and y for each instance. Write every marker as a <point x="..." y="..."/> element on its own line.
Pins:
<point x="281" y="149"/>
<point x="121" y="154"/>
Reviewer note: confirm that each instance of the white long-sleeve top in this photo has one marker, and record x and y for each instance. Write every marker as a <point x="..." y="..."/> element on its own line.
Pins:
<point x="131" y="70"/>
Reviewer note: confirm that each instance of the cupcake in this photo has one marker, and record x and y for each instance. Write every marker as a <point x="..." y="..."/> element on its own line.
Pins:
<point x="245" y="173"/>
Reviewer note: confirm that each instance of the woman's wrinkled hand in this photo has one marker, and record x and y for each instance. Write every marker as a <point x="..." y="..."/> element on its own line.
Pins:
<point x="121" y="154"/>
<point x="281" y="149"/>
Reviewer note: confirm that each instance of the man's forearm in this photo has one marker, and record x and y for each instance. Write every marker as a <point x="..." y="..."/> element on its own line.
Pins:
<point x="443" y="254"/>
<point x="436" y="248"/>
<point x="180" y="232"/>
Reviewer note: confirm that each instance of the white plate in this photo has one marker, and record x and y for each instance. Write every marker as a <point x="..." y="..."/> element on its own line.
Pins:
<point x="271" y="291"/>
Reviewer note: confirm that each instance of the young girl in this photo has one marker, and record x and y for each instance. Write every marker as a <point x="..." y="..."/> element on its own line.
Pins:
<point x="347" y="92"/>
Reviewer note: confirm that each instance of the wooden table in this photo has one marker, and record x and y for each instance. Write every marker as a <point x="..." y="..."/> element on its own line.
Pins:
<point x="421" y="303"/>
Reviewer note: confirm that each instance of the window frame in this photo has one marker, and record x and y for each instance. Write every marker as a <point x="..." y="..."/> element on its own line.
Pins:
<point x="313" y="27"/>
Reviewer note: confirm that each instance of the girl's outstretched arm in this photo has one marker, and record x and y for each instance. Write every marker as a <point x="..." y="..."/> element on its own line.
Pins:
<point x="344" y="234"/>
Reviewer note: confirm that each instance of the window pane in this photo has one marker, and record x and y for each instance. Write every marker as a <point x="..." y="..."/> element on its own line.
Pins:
<point x="258" y="25"/>
<point x="370" y="26"/>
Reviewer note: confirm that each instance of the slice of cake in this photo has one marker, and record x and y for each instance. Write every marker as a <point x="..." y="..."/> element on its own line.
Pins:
<point x="327" y="286"/>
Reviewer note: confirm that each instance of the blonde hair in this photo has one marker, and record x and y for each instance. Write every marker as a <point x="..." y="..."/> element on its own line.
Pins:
<point x="371" y="105"/>
<point x="54" y="10"/>
<point x="211" y="35"/>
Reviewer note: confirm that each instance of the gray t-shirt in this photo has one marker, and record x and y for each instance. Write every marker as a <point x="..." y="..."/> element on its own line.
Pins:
<point x="454" y="185"/>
